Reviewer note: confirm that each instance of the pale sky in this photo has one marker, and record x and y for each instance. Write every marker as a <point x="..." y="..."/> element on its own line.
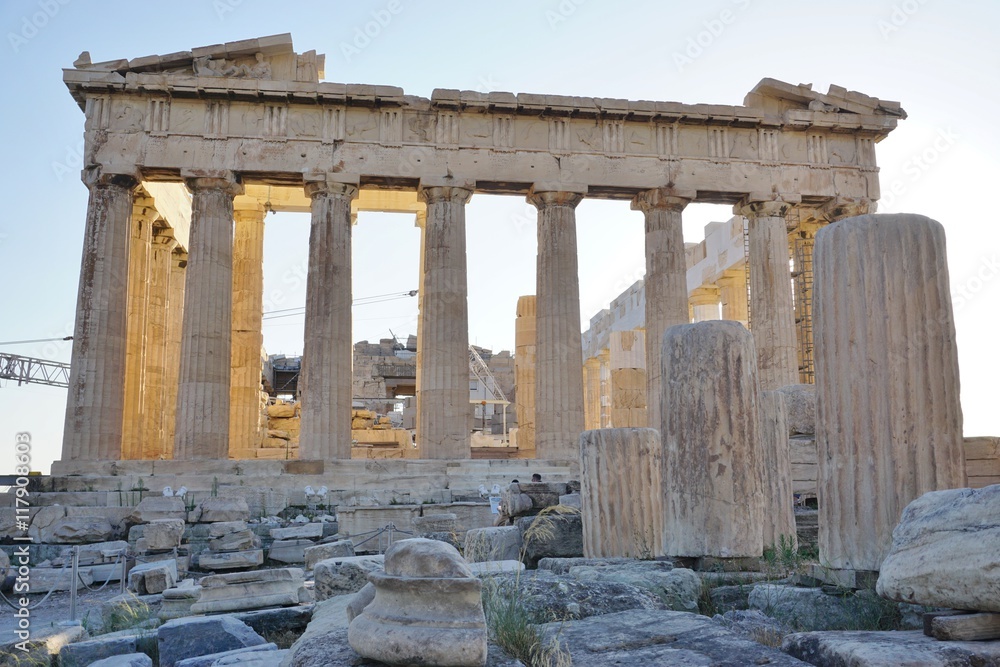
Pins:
<point x="940" y="60"/>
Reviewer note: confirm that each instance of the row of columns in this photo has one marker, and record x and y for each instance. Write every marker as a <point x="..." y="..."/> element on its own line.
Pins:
<point x="220" y="343"/>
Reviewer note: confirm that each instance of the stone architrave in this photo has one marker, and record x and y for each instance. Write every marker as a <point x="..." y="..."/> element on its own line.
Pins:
<point x="245" y="433"/>
<point x="427" y="609"/>
<point x="443" y="413"/>
<point x="621" y="477"/>
<point x="772" y="316"/>
<point x="140" y="247"/>
<point x="559" y="350"/>
<point x="202" y="425"/>
<point x="779" y="500"/>
<point x="524" y="370"/>
<point x="96" y="399"/>
<point x="666" y="279"/>
<point x="888" y="417"/>
<point x="712" y="477"/>
<point x="325" y="383"/>
<point x="155" y="417"/>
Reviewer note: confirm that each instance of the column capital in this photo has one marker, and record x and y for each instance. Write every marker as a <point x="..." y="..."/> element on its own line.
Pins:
<point x="164" y="236"/>
<point x="543" y="195"/>
<point x="126" y="177"/>
<point x="249" y="211"/>
<point x="669" y="199"/>
<point x="705" y="295"/>
<point x="766" y="205"/>
<point x="460" y="192"/>
<point x="179" y="256"/>
<point x="838" y="208"/>
<point x="212" y="179"/>
<point x="331" y="183"/>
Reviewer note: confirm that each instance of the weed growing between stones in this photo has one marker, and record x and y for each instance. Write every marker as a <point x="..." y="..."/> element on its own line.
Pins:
<point x="125" y="615"/>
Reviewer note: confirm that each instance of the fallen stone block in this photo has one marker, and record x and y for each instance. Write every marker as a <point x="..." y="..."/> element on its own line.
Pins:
<point x="40" y="529"/>
<point x="100" y="553"/>
<point x="211" y="659"/>
<point x="678" y="588"/>
<point x="184" y="638"/>
<point x="177" y="601"/>
<point x="162" y="534"/>
<point x="944" y="551"/>
<point x="79" y="530"/>
<point x="338" y="549"/>
<point x="152" y="508"/>
<point x="815" y="609"/>
<point x="880" y="649"/>
<point x="212" y="510"/>
<point x="289" y="551"/>
<point x="306" y="530"/>
<point x="221" y="528"/>
<point x="283" y="619"/>
<point x="129" y="660"/>
<point x="496" y="543"/>
<point x="436" y="523"/>
<point x="152" y="578"/>
<point x="231" y="560"/>
<point x="242" y="540"/>
<point x="249" y="590"/>
<point x="563" y="537"/>
<point x="488" y="567"/>
<point x="338" y="576"/>
<point x="45" y="579"/>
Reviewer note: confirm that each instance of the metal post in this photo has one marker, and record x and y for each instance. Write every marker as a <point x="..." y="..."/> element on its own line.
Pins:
<point x="124" y="572"/>
<point x="391" y="526"/>
<point x="73" y="583"/>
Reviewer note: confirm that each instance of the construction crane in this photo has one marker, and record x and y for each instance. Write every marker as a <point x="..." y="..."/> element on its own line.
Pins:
<point x="482" y="371"/>
<point x="28" y="370"/>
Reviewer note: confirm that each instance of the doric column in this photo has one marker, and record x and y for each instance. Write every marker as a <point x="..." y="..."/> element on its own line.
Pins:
<point x="443" y="411"/>
<point x="666" y="279"/>
<point x="704" y="301"/>
<point x="96" y="399"/>
<point x="604" y="358"/>
<point x="772" y="318"/>
<point x="592" y="394"/>
<point x="175" y="326"/>
<point x="157" y="359"/>
<point x="248" y="305"/>
<point x="140" y="241"/>
<point x="559" y="373"/>
<point x="325" y="382"/>
<point x="524" y="374"/>
<point x="206" y="350"/>
<point x="733" y="294"/>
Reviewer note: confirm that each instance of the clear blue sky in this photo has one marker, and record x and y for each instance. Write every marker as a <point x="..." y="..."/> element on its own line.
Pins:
<point x="939" y="59"/>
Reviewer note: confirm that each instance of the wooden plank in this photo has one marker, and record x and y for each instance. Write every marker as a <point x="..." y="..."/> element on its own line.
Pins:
<point x="966" y="627"/>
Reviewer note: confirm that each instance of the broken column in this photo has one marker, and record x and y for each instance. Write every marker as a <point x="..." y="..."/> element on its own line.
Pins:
<point x="248" y="302"/>
<point x="443" y="414"/>
<point x="96" y="398"/>
<point x="888" y="417"/>
<point x="559" y="350"/>
<point x="524" y="371"/>
<point x="771" y="313"/>
<point x="779" y="501"/>
<point x="666" y="278"/>
<point x="711" y="439"/>
<point x="202" y="425"/>
<point x="622" y="492"/>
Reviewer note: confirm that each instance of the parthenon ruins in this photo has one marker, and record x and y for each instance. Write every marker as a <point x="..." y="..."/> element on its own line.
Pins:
<point x="248" y="126"/>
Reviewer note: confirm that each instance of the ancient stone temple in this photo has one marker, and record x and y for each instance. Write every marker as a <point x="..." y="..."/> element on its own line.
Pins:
<point x="185" y="150"/>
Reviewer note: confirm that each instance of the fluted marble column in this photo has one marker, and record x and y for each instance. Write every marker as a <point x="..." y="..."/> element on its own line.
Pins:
<point x="525" y="339"/>
<point x="175" y="327"/>
<point x="140" y="243"/>
<point x="559" y="373"/>
<point x="779" y="499"/>
<point x="96" y="399"/>
<point x="666" y="279"/>
<point x="888" y="416"/>
<point x="443" y="413"/>
<point x="157" y="359"/>
<point x="248" y="307"/>
<point x="705" y="303"/>
<point x="325" y="383"/>
<point x="733" y="295"/>
<point x="772" y="317"/>
<point x="592" y="394"/>
<point x="202" y="430"/>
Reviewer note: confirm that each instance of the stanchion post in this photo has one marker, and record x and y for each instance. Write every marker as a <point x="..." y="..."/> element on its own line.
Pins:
<point x="73" y="583"/>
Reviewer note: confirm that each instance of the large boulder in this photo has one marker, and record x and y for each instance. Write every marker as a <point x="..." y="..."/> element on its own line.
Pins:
<point x="678" y="589"/>
<point x="184" y="638"/>
<point x="800" y="404"/>
<point x="497" y="543"/>
<point x="82" y="654"/>
<point x="551" y="536"/>
<point x="339" y="576"/>
<point x="945" y="551"/>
